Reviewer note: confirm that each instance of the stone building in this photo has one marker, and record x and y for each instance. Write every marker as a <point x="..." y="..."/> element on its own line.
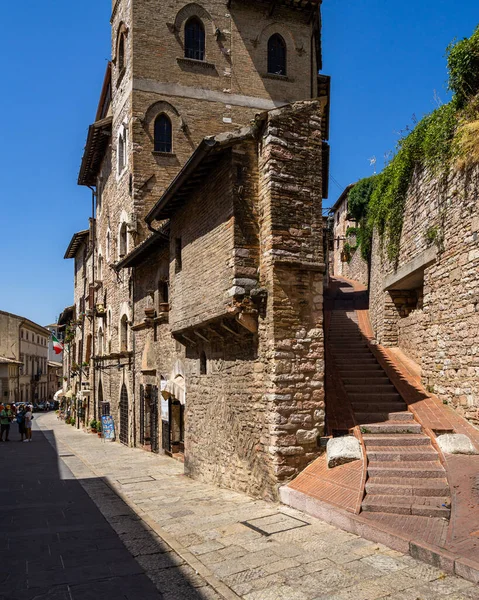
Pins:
<point x="55" y="372"/>
<point x="9" y="378"/>
<point x="346" y="256"/>
<point x="427" y="303"/>
<point x="26" y="344"/>
<point x="200" y="330"/>
<point x="78" y="335"/>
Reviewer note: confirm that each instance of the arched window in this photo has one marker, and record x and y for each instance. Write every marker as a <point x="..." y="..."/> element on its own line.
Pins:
<point x="163" y="134"/>
<point x="123" y="240"/>
<point x="121" y="53"/>
<point x="122" y="149"/>
<point x="124" y="334"/>
<point x="194" y="39"/>
<point x="276" y="55"/>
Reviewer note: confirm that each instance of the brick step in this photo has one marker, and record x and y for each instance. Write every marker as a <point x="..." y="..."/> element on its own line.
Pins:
<point x="407" y="487"/>
<point x="375" y="378"/>
<point x="401" y="505"/>
<point x="354" y="360"/>
<point x="373" y="397"/>
<point x="348" y="347"/>
<point x="421" y="470"/>
<point x="370" y="368"/>
<point x="391" y="427"/>
<point x="375" y="388"/>
<point x="367" y="406"/>
<point x="389" y="439"/>
<point x="401" y="453"/>
<point x="380" y="417"/>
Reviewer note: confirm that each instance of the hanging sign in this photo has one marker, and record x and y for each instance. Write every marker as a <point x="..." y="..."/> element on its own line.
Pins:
<point x="165" y="410"/>
<point x="108" y="427"/>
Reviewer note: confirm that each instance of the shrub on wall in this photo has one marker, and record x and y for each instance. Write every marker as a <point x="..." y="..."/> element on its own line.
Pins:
<point x="438" y="140"/>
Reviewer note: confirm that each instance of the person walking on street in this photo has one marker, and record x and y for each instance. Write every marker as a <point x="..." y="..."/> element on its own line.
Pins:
<point x="21" y="422"/>
<point x="28" y="424"/>
<point x="5" y="418"/>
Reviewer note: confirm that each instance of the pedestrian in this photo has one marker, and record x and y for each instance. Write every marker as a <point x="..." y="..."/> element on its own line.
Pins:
<point x="28" y="424"/>
<point x="21" y="422"/>
<point x="5" y="419"/>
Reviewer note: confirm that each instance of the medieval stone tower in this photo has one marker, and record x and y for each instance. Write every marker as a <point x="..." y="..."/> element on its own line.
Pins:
<point x="182" y="71"/>
<point x="179" y="72"/>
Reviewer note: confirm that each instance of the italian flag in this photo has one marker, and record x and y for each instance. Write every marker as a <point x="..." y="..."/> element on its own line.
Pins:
<point x="57" y="346"/>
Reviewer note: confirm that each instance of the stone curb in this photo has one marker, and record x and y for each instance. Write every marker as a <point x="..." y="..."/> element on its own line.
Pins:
<point x="433" y="555"/>
<point x="221" y="588"/>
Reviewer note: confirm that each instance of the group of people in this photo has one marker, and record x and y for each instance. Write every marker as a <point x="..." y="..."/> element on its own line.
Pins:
<point x="22" y="415"/>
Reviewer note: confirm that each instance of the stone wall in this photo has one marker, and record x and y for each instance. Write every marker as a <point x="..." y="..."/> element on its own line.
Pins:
<point x="204" y="228"/>
<point x="356" y="268"/>
<point x="291" y="268"/>
<point x="439" y="331"/>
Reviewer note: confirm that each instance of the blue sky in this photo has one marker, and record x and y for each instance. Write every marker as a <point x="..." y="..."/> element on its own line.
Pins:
<point x="387" y="64"/>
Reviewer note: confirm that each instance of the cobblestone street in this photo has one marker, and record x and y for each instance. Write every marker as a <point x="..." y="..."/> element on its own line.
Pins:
<point x="194" y="541"/>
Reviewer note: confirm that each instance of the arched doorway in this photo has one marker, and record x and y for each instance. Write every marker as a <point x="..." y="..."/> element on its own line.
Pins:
<point x="124" y="415"/>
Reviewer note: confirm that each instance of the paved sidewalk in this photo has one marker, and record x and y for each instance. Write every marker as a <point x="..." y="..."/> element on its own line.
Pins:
<point x="54" y="542"/>
<point x="282" y="555"/>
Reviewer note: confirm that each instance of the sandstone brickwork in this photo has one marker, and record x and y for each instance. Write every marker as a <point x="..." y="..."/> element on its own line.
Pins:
<point x="435" y="319"/>
<point x="252" y="227"/>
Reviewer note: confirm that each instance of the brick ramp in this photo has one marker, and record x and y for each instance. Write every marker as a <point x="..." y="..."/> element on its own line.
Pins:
<point x="456" y="550"/>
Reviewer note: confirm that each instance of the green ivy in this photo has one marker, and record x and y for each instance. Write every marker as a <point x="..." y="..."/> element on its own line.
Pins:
<point x="463" y="67"/>
<point x="433" y="144"/>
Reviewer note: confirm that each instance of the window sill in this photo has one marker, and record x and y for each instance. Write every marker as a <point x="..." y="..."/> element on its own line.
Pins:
<point x="164" y="154"/>
<point x="200" y="64"/>
<point x="277" y="77"/>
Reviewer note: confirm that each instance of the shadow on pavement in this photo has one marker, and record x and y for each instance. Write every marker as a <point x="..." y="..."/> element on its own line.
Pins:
<point x="56" y="544"/>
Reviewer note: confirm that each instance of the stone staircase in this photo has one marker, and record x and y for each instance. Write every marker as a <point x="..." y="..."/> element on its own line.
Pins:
<point x="405" y="476"/>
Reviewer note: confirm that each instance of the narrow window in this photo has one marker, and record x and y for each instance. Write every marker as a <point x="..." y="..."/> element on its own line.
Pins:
<point x="163" y="293"/>
<point x="276" y="55"/>
<point x="100" y="267"/>
<point x="100" y="341"/>
<point x="124" y="334"/>
<point x="163" y="134"/>
<point x="122" y="152"/>
<point x="121" y="53"/>
<point x="123" y="239"/>
<point x="203" y="364"/>
<point x="178" y="257"/>
<point x="194" y="39"/>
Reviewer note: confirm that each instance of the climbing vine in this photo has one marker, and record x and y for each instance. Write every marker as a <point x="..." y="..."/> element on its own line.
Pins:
<point x="434" y="143"/>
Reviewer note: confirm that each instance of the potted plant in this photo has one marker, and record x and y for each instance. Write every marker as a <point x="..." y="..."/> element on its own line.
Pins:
<point x="93" y="426"/>
<point x="68" y="420"/>
<point x="72" y="422"/>
<point x="99" y="428"/>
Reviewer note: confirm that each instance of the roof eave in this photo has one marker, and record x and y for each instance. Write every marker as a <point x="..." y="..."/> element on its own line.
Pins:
<point x="75" y="242"/>
<point x="95" y="147"/>
<point x="206" y="146"/>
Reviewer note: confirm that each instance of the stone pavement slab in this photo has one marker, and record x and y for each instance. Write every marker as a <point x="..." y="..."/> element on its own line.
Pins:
<point x="56" y="543"/>
<point x="193" y="538"/>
